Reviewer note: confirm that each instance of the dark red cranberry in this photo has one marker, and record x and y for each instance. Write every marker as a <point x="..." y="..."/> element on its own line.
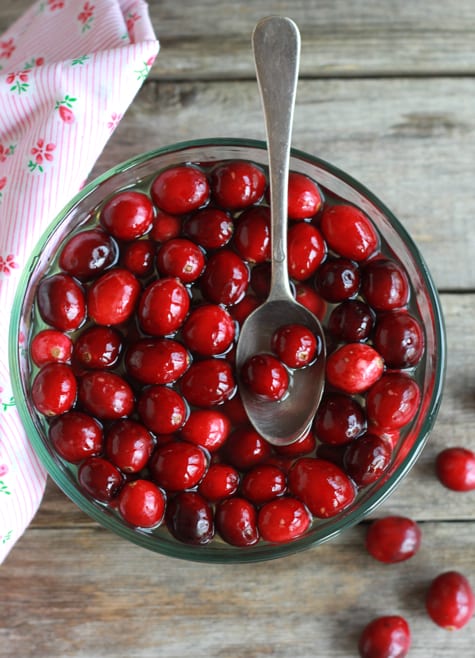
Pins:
<point x="111" y="299"/>
<point x="354" y="367"/>
<point x="61" y="302"/>
<point x="349" y="232"/>
<point x="331" y="453"/>
<point x="189" y="518"/>
<point x="226" y="278"/>
<point x="246" y="448"/>
<point x="180" y="258"/>
<point x="88" y="253"/>
<point x="393" y="539"/>
<point x="234" y="410"/>
<point x="98" y="347"/>
<point x="260" y="279"/>
<point x="265" y="376"/>
<point x="337" y="279"/>
<point x="127" y="215"/>
<point x="49" y="346"/>
<point x="99" y="478"/>
<point x="162" y="409"/>
<point x="208" y="382"/>
<point x="54" y="389"/>
<point x="237" y="184"/>
<point x="367" y="459"/>
<point x="384" y="284"/>
<point x="455" y="468"/>
<point x="178" y="465"/>
<point x="450" y="601"/>
<point x="304" y="197"/>
<point x="294" y="344"/>
<point x="128" y="445"/>
<point x="307" y="296"/>
<point x="263" y="483"/>
<point x="252" y="234"/>
<point x="283" y="520"/>
<point x="351" y="321"/>
<point x="208" y="428"/>
<point x="138" y="257"/>
<point x="236" y="521"/>
<point x="211" y="228"/>
<point x="399" y="338"/>
<point x="385" y="637"/>
<point x="208" y="330"/>
<point x="306" y="250"/>
<point x="393" y="401"/>
<point x="106" y="395"/>
<point x="220" y="481"/>
<point x="163" y="306"/>
<point x="240" y="311"/>
<point x="157" y="360"/>
<point x="339" y="419"/>
<point x="76" y="435"/>
<point x="180" y="189"/>
<point x="165" y="227"/>
<point x="142" y="504"/>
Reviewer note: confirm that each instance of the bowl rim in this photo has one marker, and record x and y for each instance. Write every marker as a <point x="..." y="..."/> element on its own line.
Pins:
<point x="225" y="555"/>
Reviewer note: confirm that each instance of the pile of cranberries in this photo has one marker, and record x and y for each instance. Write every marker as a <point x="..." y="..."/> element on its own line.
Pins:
<point x="133" y="356"/>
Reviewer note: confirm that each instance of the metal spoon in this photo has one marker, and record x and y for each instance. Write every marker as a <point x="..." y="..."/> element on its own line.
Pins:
<point x="276" y="46"/>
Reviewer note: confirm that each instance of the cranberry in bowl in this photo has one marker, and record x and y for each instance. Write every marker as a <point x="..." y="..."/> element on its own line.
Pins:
<point x="139" y="421"/>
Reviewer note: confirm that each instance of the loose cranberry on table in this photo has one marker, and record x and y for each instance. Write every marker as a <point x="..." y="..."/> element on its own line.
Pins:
<point x="349" y="232"/>
<point x="142" y="504"/>
<point x="294" y="344"/>
<point x="283" y="520"/>
<point x="189" y="518"/>
<point x="111" y="299"/>
<point x="61" y="302"/>
<point x="220" y="481"/>
<point x="161" y="409"/>
<point x="54" y="389"/>
<point x="98" y="347"/>
<point x="384" y="284"/>
<point x="450" y="601"/>
<point x="180" y="189"/>
<point x="236" y="521"/>
<point x="128" y="445"/>
<point x="392" y="539"/>
<point x="50" y="345"/>
<point x="163" y="306"/>
<point x="393" y="401"/>
<point x="208" y="428"/>
<point x="351" y="321"/>
<point x="399" y="338"/>
<point x="388" y="636"/>
<point x="265" y="376"/>
<point x="75" y="436"/>
<point x="354" y="367"/>
<point x="127" y="215"/>
<point x="181" y="258"/>
<point x="306" y="250"/>
<point x="304" y="197"/>
<point x="455" y="468"/>
<point x="106" y="395"/>
<point x="337" y="279"/>
<point x="88" y="253"/>
<point x="157" y="360"/>
<point x="208" y="330"/>
<point x="178" y="465"/>
<point x="208" y="382"/>
<point x="237" y="184"/>
<point x="367" y="458"/>
<point x="210" y="227"/>
<point x="226" y="278"/>
<point x="339" y="419"/>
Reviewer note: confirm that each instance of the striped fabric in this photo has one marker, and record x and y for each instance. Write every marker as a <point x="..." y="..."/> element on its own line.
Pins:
<point x="69" y="69"/>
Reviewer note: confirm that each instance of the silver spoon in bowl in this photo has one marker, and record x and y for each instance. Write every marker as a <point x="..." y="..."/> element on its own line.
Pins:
<point x="276" y="46"/>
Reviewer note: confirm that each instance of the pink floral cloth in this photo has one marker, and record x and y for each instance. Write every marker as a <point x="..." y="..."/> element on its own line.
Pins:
<point x="68" y="71"/>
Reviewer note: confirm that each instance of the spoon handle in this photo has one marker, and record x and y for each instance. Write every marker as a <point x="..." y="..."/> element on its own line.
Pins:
<point x="276" y="46"/>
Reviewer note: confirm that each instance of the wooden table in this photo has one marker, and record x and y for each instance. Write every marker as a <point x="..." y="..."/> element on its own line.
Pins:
<point x="387" y="93"/>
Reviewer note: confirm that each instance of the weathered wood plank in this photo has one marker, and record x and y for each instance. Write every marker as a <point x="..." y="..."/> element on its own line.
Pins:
<point x="87" y="594"/>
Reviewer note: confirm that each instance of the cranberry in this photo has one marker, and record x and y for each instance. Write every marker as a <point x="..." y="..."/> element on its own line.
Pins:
<point x="294" y="344"/>
<point x="450" y="601"/>
<point x="348" y="232"/>
<point x="354" y="367"/>
<point x="208" y="428"/>
<point x="220" y="481"/>
<point x="208" y="330"/>
<point x="321" y="485"/>
<point x="237" y="184"/>
<point x="264" y="375"/>
<point x="178" y="465"/>
<point x="50" y="345"/>
<point x="306" y="250"/>
<point x="393" y="401"/>
<point x="331" y="453"/>
<point x="263" y="483"/>
<point x="455" y="468"/>
<point x="303" y="446"/>
<point x="283" y="520"/>
<point x="337" y="279"/>
<point x="99" y="478"/>
<point x="189" y="518"/>
<point x="240" y="311"/>
<point x="88" y="253"/>
<point x="246" y="448"/>
<point x="54" y="389"/>
<point x="142" y="504"/>
<point x="180" y="189"/>
<point x="384" y="284"/>
<point x="260" y="279"/>
<point x="75" y="435"/>
<point x="157" y="360"/>
<point x="351" y="321"/>
<point x="399" y="338"/>
<point x="393" y="539"/>
<point x="208" y="382"/>
<point x="127" y="215"/>
<point x="339" y="419"/>
<point x="98" y="347"/>
<point x="306" y="295"/>
<point x="181" y="258"/>
<point x="128" y="445"/>
<point x="234" y="410"/>
<point x="165" y="227"/>
<point x="226" y="278"/>
<point x="252" y="234"/>
<point x="61" y="302"/>
<point x="211" y="228"/>
<point x="304" y="197"/>
<point x="385" y="637"/>
<point x="162" y="409"/>
<point x="111" y="299"/>
<point x="138" y="257"/>
<point x="236" y="521"/>
<point x="367" y="459"/>
<point x="163" y="306"/>
<point x="106" y="395"/>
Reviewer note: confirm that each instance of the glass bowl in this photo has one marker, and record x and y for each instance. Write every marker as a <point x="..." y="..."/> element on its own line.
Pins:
<point x="25" y="322"/>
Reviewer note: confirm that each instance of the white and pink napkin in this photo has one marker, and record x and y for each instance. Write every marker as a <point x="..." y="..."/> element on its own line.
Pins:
<point x="68" y="71"/>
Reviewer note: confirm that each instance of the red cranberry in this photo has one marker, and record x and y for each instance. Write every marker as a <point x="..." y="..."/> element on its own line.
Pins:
<point x="189" y="518"/>
<point x="295" y="345"/>
<point x="351" y="321"/>
<point x="237" y="184"/>
<point x="339" y="419"/>
<point x="106" y="395"/>
<point x="321" y="485"/>
<point x="306" y="250"/>
<point x="208" y="330"/>
<point x="128" y="445"/>
<point x="75" y="435"/>
<point x="252" y="234"/>
<point x="211" y="228"/>
<point x="163" y="306"/>
<point x="393" y="401"/>
<point x="111" y="298"/>
<point x="337" y="279"/>
<point x="399" y="338"/>
<point x="49" y="346"/>
<point x="98" y="347"/>
<point x="61" y="302"/>
<point x="240" y="311"/>
<point x="226" y="278"/>
<point x="236" y="521"/>
<point x="157" y="360"/>
<point x="208" y="428"/>
<point x="181" y="258"/>
<point x="88" y="253"/>
<point x="263" y="483"/>
<point x="99" y="478"/>
<point x="385" y="637"/>
<point x="283" y="520"/>
<point x="220" y="481"/>
<point x="367" y="459"/>
<point x="180" y="189"/>
<point x="349" y="232"/>
<point x="304" y="197"/>
<point x="162" y="409"/>
<point x="260" y="279"/>
<point x="393" y="539"/>
<point x="142" y="504"/>
<point x="127" y="215"/>
<point x="54" y="389"/>
<point x="246" y="448"/>
<point x="450" y="601"/>
<point x="385" y="285"/>
<point x="138" y="257"/>
<point x="303" y="446"/>
<point x="354" y="367"/>
<point x="307" y="296"/>
<point x="178" y="465"/>
<point x="265" y="376"/>
<point x="165" y="227"/>
<point x="455" y="468"/>
<point x="208" y="382"/>
<point x="234" y="410"/>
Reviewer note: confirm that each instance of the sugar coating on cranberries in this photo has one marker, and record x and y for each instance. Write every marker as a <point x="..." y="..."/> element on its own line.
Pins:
<point x="133" y="359"/>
